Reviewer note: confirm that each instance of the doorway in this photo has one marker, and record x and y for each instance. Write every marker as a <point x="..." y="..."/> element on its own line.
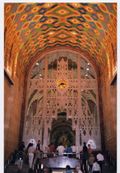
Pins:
<point x="61" y="131"/>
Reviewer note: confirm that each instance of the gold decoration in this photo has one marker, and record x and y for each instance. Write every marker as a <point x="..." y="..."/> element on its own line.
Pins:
<point x="62" y="84"/>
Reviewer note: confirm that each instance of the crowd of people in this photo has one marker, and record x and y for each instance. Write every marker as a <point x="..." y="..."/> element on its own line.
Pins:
<point x="91" y="162"/>
<point x="32" y="154"/>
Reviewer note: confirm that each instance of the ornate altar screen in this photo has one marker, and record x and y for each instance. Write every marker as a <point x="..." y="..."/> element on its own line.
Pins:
<point x="62" y="81"/>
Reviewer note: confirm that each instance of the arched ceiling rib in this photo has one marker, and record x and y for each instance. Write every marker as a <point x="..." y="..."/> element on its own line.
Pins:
<point x="31" y="28"/>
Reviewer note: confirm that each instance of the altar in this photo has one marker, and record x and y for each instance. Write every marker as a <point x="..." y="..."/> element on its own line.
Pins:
<point x="60" y="162"/>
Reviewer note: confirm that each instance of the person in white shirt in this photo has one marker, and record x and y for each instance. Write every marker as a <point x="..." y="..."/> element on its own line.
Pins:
<point x="73" y="150"/>
<point x="100" y="159"/>
<point x="31" y="151"/>
<point x="96" y="168"/>
<point x="37" y="157"/>
<point x="60" y="149"/>
<point x="78" y="152"/>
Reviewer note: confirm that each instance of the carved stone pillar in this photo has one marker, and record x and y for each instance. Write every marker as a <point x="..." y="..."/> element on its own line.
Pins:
<point x="45" y="139"/>
<point x="77" y="137"/>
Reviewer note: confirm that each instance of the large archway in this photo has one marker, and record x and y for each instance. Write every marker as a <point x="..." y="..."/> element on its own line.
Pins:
<point x="61" y="131"/>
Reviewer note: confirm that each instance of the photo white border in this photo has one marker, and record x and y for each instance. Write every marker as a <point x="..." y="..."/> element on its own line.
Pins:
<point x="1" y="88"/>
<point x="2" y="69"/>
<point x="118" y="87"/>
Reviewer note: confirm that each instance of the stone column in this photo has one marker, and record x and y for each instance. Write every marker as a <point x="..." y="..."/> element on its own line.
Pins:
<point x="79" y="111"/>
<point x="77" y="137"/>
<point x="45" y="137"/>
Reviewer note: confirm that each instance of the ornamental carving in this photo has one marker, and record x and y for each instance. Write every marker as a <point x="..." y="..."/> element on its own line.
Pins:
<point x="64" y="82"/>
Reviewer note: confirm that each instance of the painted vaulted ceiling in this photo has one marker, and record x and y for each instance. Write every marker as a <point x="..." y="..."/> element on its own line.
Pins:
<point x="31" y="28"/>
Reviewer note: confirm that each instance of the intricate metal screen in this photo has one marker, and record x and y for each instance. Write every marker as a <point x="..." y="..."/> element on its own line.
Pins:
<point x="62" y="82"/>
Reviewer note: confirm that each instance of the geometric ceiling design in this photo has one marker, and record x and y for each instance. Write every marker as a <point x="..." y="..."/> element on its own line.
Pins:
<point x="32" y="27"/>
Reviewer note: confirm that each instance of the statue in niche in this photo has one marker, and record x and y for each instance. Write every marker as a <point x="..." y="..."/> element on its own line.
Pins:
<point x="63" y="139"/>
<point x="62" y="85"/>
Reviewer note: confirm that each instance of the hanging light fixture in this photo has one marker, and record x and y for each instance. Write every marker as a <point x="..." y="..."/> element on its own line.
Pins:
<point x="37" y="63"/>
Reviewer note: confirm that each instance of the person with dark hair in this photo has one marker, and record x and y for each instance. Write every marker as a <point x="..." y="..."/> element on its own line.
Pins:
<point x="91" y="160"/>
<point x="68" y="169"/>
<point x="84" y="157"/>
<point x="89" y="149"/>
<point x="68" y="150"/>
<point x="96" y="167"/>
<point x="20" y="155"/>
<point x="26" y="157"/>
<point x="21" y="146"/>
<point x="37" y="157"/>
<point x="51" y="149"/>
<point x="39" y="145"/>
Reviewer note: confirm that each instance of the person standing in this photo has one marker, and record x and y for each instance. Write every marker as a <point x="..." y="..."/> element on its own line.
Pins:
<point x="89" y="149"/>
<point x="37" y="157"/>
<point x="96" y="167"/>
<point x="74" y="150"/>
<point x="91" y="160"/>
<point x="68" y="150"/>
<point x="84" y="157"/>
<point x="31" y="151"/>
<point x="51" y="149"/>
<point x="100" y="159"/>
<point x="68" y="169"/>
<point x="60" y="149"/>
<point x="39" y="145"/>
<point x="21" y="146"/>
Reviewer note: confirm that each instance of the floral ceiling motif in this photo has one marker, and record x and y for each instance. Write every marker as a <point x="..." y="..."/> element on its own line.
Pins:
<point x="33" y="27"/>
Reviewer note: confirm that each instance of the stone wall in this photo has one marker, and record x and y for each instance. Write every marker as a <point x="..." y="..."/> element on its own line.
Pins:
<point x="108" y="91"/>
<point x="12" y="113"/>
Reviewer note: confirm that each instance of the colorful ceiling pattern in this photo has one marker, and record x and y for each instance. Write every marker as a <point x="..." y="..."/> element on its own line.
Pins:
<point x="32" y="27"/>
